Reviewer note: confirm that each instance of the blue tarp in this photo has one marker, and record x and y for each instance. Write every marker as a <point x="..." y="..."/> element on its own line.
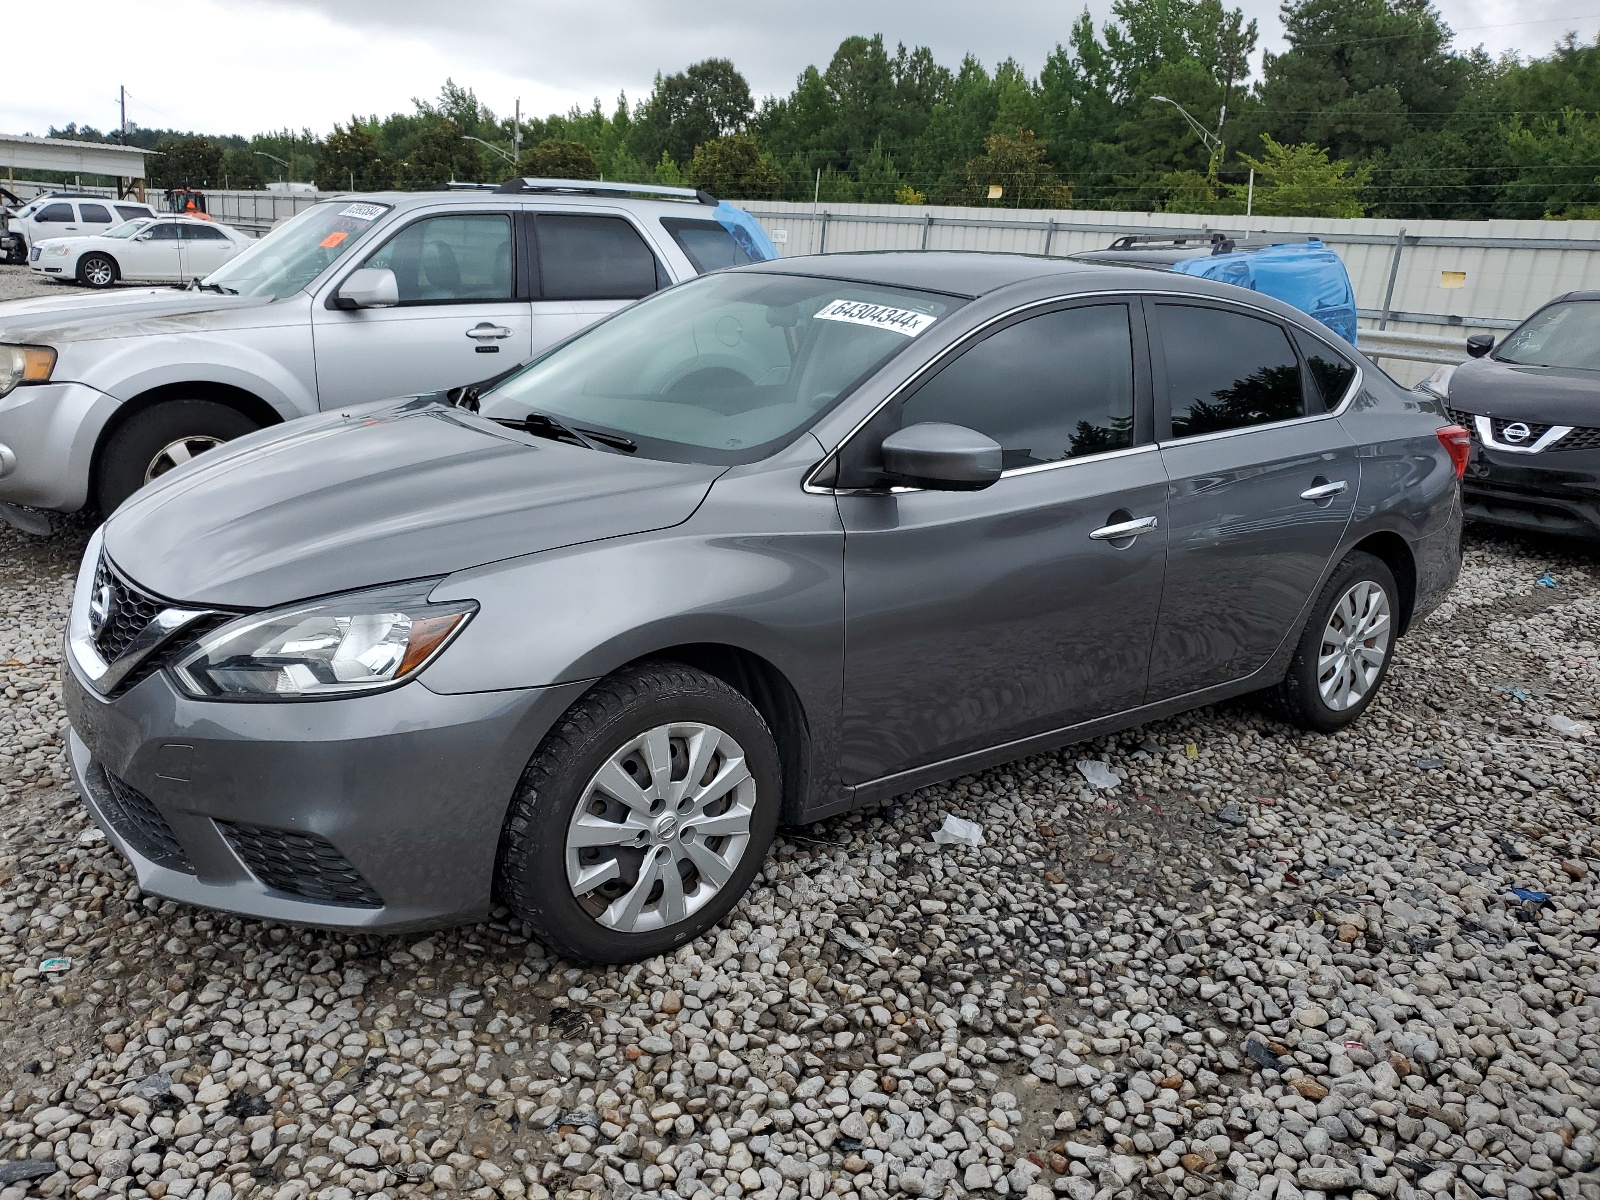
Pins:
<point x="1305" y="274"/>
<point x="747" y="231"/>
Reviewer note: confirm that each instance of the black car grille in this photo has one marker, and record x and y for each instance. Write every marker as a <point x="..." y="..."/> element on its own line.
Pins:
<point x="1580" y="438"/>
<point x="1500" y="425"/>
<point x="1464" y="419"/>
<point x="131" y="610"/>
<point x="301" y="864"/>
<point x="142" y="826"/>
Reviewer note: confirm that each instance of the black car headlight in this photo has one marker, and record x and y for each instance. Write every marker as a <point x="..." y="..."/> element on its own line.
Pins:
<point x="358" y="642"/>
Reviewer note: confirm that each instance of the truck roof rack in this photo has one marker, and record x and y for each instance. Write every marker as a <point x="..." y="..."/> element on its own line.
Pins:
<point x="594" y="187"/>
<point x="1220" y="243"/>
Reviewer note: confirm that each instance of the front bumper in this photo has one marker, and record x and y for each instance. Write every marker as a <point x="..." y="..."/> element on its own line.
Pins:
<point x="50" y="430"/>
<point x="1557" y="491"/>
<point x="269" y="809"/>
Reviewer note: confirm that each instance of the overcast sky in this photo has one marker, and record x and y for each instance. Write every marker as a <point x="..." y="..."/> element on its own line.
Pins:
<point x="242" y="66"/>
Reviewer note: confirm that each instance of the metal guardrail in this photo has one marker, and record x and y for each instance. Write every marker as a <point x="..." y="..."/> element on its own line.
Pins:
<point x="1411" y="347"/>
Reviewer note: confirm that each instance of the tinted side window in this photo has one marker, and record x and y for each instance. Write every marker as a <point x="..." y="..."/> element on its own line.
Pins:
<point x="165" y="231"/>
<point x="129" y="213"/>
<point x="1052" y="387"/>
<point x="707" y="244"/>
<point x="593" y="258"/>
<point x="203" y="233"/>
<point x="1226" y="370"/>
<point x="443" y="259"/>
<point x="57" y="213"/>
<point x="97" y="213"/>
<point x="1330" y="370"/>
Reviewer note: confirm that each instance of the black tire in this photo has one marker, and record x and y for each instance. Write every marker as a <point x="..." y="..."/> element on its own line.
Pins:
<point x="98" y="270"/>
<point x="133" y="449"/>
<point x="531" y="874"/>
<point x="1299" y="698"/>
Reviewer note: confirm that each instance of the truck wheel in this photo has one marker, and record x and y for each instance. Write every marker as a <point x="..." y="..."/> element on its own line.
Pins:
<point x="97" y="270"/>
<point x="159" y="439"/>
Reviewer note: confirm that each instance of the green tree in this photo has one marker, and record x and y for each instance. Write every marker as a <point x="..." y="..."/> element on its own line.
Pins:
<point x="438" y="154"/>
<point x="558" y="158"/>
<point x="352" y="160"/>
<point x="187" y="162"/>
<point x="1300" y="181"/>
<point x="1015" y="164"/>
<point x="710" y="99"/>
<point x="734" y="167"/>
<point x="241" y="169"/>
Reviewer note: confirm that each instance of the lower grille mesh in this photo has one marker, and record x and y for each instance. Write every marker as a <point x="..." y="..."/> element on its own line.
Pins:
<point x="142" y="826"/>
<point x="301" y="864"/>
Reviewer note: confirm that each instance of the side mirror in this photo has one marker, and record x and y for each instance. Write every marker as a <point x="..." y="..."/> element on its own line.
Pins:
<point x="370" y="287"/>
<point x="941" y="457"/>
<point x="1480" y="344"/>
<point x="144" y="237"/>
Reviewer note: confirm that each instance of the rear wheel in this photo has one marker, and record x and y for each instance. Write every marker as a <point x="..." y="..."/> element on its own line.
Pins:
<point x="97" y="270"/>
<point x="160" y="439"/>
<point x="1344" y="654"/>
<point x="643" y="816"/>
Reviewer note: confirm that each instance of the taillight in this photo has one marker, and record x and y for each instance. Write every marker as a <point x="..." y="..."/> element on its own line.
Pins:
<point x="1457" y="443"/>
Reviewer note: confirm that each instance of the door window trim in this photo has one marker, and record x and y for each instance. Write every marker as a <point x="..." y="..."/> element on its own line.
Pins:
<point x="518" y="296"/>
<point x="1158" y="368"/>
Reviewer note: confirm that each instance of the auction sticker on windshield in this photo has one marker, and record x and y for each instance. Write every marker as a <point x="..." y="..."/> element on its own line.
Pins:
<point x="879" y="316"/>
<point x="362" y="212"/>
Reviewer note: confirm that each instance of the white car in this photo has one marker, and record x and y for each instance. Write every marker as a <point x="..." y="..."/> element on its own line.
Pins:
<point x="150" y="249"/>
<point x="57" y="215"/>
<point x="355" y="299"/>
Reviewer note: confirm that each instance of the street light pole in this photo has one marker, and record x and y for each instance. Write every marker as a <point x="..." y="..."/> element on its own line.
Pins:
<point x="468" y="137"/>
<point x="1211" y="141"/>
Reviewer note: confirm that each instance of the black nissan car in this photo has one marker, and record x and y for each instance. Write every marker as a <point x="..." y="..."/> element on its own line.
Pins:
<point x="1532" y="404"/>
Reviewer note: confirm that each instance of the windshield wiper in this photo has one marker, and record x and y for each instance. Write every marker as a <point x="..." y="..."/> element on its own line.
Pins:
<point x="195" y="285"/>
<point x="544" y="425"/>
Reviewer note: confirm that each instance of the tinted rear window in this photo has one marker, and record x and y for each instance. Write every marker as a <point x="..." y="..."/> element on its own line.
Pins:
<point x="593" y="258"/>
<point x="707" y="244"/>
<point x="1331" y="371"/>
<point x="130" y="212"/>
<point x="1226" y="370"/>
<point x="95" y="213"/>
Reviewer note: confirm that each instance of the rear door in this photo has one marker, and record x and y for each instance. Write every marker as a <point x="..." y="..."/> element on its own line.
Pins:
<point x="205" y="248"/>
<point x="588" y="265"/>
<point x="463" y="314"/>
<point x="1263" y="483"/>
<point x="95" y="218"/>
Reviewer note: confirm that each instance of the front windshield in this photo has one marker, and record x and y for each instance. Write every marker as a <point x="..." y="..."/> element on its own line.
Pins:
<point x="299" y="250"/>
<point x="721" y="369"/>
<point x="1563" y="335"/>
<point x="128" y="228"/>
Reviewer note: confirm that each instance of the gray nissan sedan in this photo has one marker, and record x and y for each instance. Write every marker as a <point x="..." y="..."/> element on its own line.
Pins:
<point x="769" y="545"/>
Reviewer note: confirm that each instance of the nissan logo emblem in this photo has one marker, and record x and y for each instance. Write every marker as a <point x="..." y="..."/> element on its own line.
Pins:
<point x="1516" y="432"/>
<point x="102" y="607"/>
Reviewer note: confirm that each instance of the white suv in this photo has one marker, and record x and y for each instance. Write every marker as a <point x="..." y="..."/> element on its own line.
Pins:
<point x="56" y="216"/>
<point x="355" y="299"/>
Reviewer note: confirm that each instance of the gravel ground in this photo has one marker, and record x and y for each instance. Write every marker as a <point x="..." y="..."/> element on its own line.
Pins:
<point x="1265" y="964"/>
<point x="18" y="281"/>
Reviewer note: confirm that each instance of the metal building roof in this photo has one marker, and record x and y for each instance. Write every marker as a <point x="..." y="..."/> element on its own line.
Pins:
<point x="23" y="153"/>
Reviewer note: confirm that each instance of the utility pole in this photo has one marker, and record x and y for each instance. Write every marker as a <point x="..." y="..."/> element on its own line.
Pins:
<point x="122" y="103"/>
<point x="516" y="135"/>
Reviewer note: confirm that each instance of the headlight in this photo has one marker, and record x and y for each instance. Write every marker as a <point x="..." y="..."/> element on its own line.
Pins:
<point x="24" y="364"/>
<point x="58" y="251"/>
<point x="1438" y="384"/>
<point x="359" y="642"/>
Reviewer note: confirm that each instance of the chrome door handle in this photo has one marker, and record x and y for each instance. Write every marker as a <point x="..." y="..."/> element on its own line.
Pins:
<point x="1124" y="529"/>
<point x="1324" y="491"/>
<point x="484" y="332"/>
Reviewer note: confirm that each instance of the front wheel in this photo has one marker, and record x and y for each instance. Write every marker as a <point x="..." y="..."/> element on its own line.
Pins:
<point x="1344" y="654"/>
<point x="159" y="439"/>
<point x="643" y="816"/>
<point x="97" y="270"/>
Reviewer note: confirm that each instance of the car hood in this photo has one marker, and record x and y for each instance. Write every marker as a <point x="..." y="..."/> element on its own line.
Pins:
<point x="1546" y="395"/>
<point x="380" y="494"/>
<point x="125" y="312"/>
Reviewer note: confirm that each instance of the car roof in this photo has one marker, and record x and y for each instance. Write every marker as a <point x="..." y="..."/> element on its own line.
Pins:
<point x="969" y="273"/>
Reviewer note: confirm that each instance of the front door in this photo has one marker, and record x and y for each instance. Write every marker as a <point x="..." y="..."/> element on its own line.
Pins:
<point x="975" y="618"/>
<point x="590" y="265"/>
<point x="154" y="253"/>
<point x="459" y="320"/>
<point x="1263" y="485"/>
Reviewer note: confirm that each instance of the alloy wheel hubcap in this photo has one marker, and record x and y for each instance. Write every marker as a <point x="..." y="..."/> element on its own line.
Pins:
<point x="661" y="827"/>
<point x="99" y="273"/>
<point x="1354" y="646"/>
<point x="177" y="453"/>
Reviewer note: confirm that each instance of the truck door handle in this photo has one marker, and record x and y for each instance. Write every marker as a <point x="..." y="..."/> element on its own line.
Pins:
<point x="1324" y="491"/>
<point x="1124" y="529"/>
<point x="484" y="332"/>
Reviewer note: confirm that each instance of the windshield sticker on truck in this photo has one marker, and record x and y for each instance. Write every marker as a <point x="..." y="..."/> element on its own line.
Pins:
<point x="333" y="239"/>
<point x="879" y="316"/>
<point x="362" y="212"/>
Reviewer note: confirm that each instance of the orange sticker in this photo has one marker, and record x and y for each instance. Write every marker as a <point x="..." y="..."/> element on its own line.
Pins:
<point x="333" y="239"/>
